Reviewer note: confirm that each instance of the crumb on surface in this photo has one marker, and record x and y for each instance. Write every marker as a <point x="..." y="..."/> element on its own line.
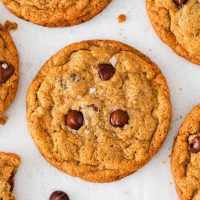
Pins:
<point x="3" y="120"/>
<point x="164" y="162"/>
<point x="180" y="89"/>
<point x="121" y="18"/>
<point x="10" y="25"/>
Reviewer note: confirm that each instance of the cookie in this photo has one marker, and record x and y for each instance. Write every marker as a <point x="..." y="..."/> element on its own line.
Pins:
<point x="56" y="13"/>
<point x="9" y="66"/>
<point x="177" y="24"/>
<point x="98" y="110"/>
<point x="185" y="159"/>
<point x="8" y="167"/>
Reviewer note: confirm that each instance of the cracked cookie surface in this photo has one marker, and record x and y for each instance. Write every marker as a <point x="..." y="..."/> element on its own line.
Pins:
<point x="56" y="13"/>
<point x="8" y="167"/>
<point x="185" y="162"/>
<point x="9" y="66"/>
<point x="177" y="25"/>
<point x="98" y="149"/>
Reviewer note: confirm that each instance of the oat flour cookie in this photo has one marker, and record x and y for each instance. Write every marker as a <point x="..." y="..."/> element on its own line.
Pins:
<point x="56" y="13"/>
<point x="8" y="167"/>
<point x="185" y="160"/>
<point x="98" y="110"/>
<point x="177" y="23"/>
<point x="9" y="66"/>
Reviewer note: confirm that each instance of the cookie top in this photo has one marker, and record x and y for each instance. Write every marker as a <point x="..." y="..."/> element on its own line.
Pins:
<point x="98" y="110"/>
<point x="9" y="66"/>
<point x="177" y="23"/>
<point x="56" y="13"/>
<point x="8" y="166"/>
<point x="185" y="160"/>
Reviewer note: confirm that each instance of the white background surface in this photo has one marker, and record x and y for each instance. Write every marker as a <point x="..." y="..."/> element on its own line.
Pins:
<point x="36" y="179"/>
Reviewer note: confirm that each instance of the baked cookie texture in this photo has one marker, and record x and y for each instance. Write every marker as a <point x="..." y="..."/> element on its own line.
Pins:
<point x="177" y="26"/>
<point x="9" y="163"/>
<point x="98" y="151"/>
<point x="56" y="13"/>
<point x="9" y="70"/>
<point x="185" y="165"/>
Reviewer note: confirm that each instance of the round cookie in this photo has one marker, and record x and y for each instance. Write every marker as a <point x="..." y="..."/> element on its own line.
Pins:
<point x="98" y="110"/>
<point x="185" y="159"/>
<point x="177" y="23"/>
<point x="9" y="66"/>
<point x="56" y="13"/>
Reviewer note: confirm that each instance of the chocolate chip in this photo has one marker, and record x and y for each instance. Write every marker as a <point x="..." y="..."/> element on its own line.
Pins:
<point x="194" y="146"/>
<point x="119" y="118"/>
<point x="106" y="71"/>
<point x="74" y="119"/>
<point x="6" y="71"/>
<point x="180" y="2"/>
<point x="73" y="76"/>
<point x="59" y="195"/>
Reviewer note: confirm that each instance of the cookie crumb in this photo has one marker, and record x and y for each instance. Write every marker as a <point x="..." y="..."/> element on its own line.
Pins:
<point x="164" y="162"/>
<point x="3" y="120"/>
<point x="121" y="18"/>
<point x="10" y="25"/>
<point x="126" y="193"/>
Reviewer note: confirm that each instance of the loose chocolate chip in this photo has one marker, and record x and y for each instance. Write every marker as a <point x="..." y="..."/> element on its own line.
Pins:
<point x="59" y="195"/>
<point x="6" y="71"/>
<point x="194" y="146"/>
<point x="106" y="71"/>
<point x="74" y="119"/>
<point x="119" y="118"/>
<point x="180" y="2"/>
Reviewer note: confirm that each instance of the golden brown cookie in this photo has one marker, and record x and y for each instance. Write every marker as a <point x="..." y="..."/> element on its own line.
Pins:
<point x="177" y="23"/>
<point x="185" y="159"/>
<point x="56" y="13"/>
<point x="9" y="163"/>
<point x="9" y="66"/>
<point x="98" y="110"/>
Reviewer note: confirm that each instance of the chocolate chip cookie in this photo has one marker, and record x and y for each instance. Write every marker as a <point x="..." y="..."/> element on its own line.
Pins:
<point x="8" y="167"/>
<point x="9" y="66"/>
<point x="185" y="160"/>
<point x="177" y="23"/>
<point x="98" y="110"/>
<point x="56" y="13"/>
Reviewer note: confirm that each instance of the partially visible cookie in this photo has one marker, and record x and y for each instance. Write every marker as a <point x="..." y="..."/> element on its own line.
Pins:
<point x="99" y="110"/>
<point x="177" y="23"/>
<point x="9" y="70"/>
<point x="56" y="13"/>
<point x="8" y="167"/>
<point x="185" y="158"/>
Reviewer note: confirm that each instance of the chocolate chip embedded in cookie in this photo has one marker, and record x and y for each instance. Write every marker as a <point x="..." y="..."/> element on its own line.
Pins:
<point x="6" y="71"/>
<point x="56" y="13"/>
<point x="8" y="167"/>
<point x="180" y="2"/>
<point x="194" y="145"/>
<point x="177" y="23"/>
<point x="9" y="64"/>
<point x="119" y="118"/>
<point x="74" y="119"/>
<point x="185" y="157"/>
<point x="106" y="71"/>
<point x="98" y="110"/>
